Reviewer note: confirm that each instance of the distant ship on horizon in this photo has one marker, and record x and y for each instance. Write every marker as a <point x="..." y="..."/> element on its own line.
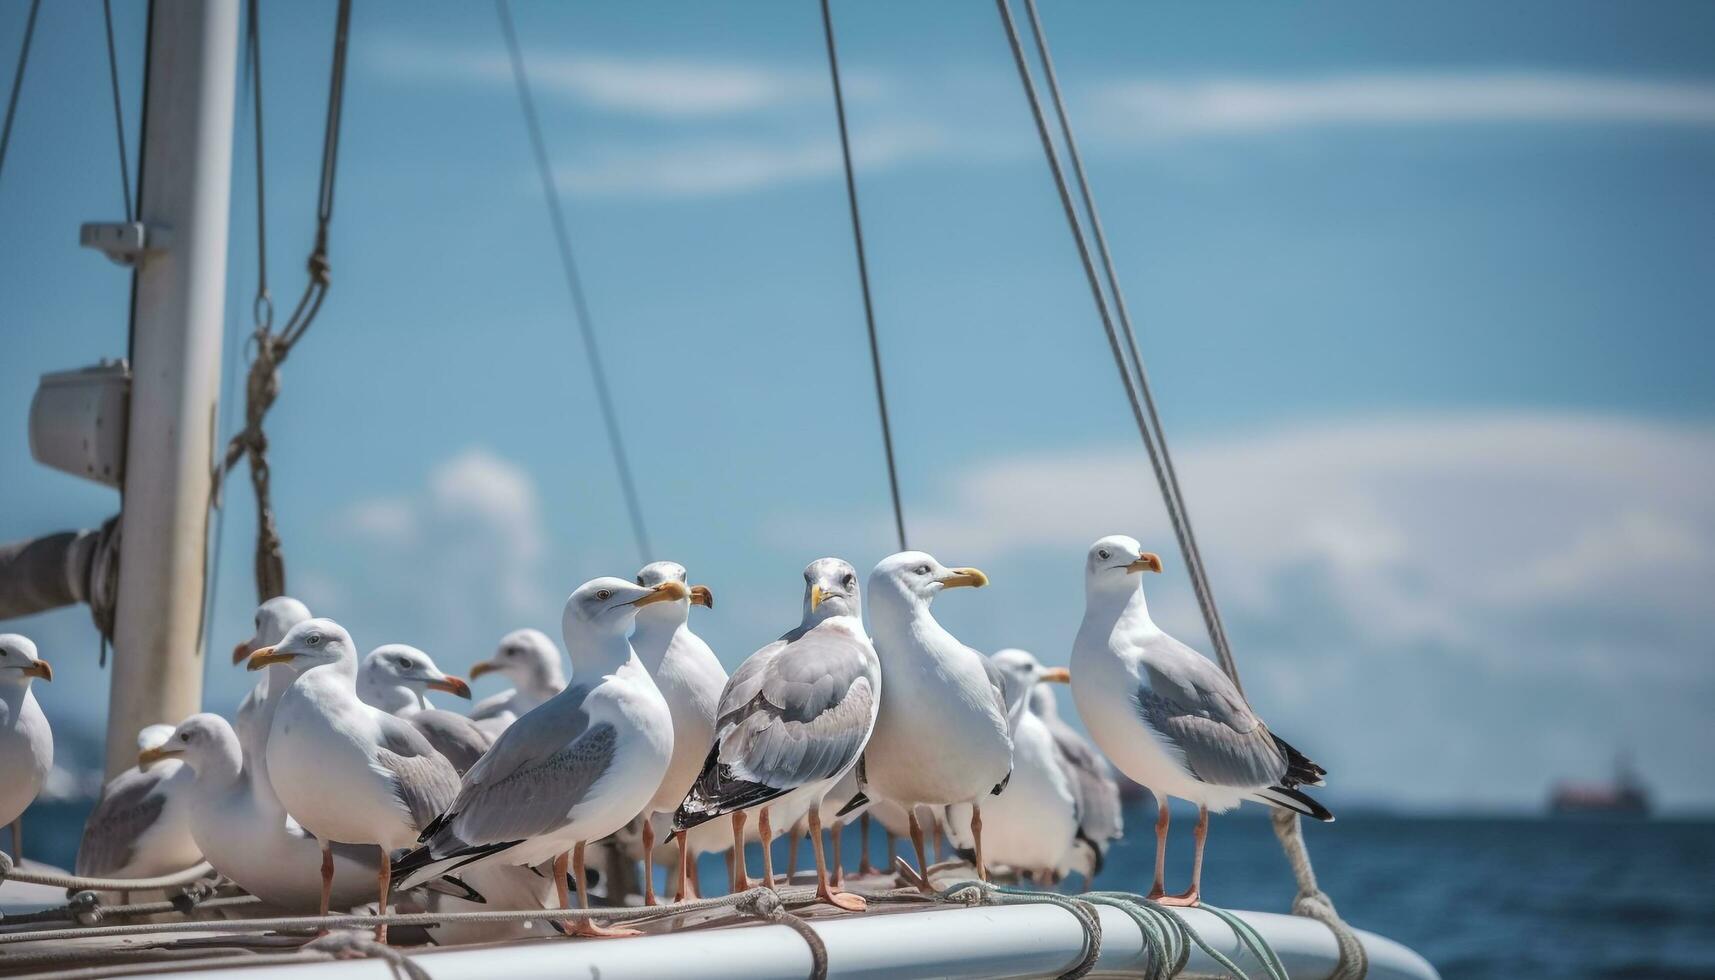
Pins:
<point x="1625" y="795"/>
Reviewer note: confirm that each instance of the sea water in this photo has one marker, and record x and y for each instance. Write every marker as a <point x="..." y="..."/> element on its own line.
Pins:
<point x="1479" y="897"/>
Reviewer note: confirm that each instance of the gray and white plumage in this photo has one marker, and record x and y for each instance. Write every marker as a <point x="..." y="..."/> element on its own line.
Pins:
<point x="344" y="770"/>
<point x="797" y="714"/>
<point x="576" y="768"/>
<point x="395" y="678"/>
<point x="26" y="741"/>
<point x="1165" y="714"/>
<point x="942" y="735"/>
<point x="141" y="824"/>
<point x="1101" y="819"/>
<point x="256" y="712"/>
<point x="531" y="660"/>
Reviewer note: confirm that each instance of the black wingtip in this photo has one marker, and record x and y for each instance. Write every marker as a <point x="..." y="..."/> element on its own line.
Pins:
<point x="858" y="800"/>
<point x="1288" y="798"/>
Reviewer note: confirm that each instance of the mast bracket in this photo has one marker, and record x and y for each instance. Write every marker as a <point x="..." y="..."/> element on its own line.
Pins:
<point x="124" y="242"/>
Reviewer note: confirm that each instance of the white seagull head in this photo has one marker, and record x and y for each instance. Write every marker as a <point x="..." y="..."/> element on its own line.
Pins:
<point x="311" y="643"/>
<point x="830" y="589"/>
<point x="608" y="605"/>
<point x="916" y="577"/>
<point x="1021" y="672"/>
<point x="199" y="740"/>
<point x="1112" y="563"/>
<point x="273" y="619"/>
<point x="679" y="610"/>
<point x="19" y="664"/>
<point x="527" y="657"/>
<point x="395" y="676"/>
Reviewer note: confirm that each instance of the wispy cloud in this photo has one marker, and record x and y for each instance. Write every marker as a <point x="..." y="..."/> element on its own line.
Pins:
<point x="1230" y="105"/>
<point x="648" y="85"/>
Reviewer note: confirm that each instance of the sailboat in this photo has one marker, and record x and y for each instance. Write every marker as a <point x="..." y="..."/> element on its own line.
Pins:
<point x="148" y="426"/>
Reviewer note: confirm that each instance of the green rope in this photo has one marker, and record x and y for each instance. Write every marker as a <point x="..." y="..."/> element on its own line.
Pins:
<point x="991" y="894"/>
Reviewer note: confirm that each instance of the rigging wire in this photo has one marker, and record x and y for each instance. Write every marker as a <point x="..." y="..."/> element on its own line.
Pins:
<point x="1165" y="472"/>
<point x="18" y="80"/>
<point x="118" y="110"/>
<point x="574" y="283"/>
<point x="863" y="276"/>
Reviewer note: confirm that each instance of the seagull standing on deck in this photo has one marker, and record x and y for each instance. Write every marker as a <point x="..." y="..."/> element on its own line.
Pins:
<point x="1167" y="716"/>
<point x="26" y="742"/>
<point x="576" y="769"/>
<point x="793" y="720"/>
<point x="396" y="679"/>
<point x="345" y="771"/>
<point x="942" y="735"/>
<point x="529" y="659"/>
<point x="690" y="678"/>
<point x="1032" y="824"/>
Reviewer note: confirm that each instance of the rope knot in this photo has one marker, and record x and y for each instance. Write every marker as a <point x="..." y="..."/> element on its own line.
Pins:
<point x="763" y="903"/>
<point x="85" y="907"/>
<point x="320" y="270"/>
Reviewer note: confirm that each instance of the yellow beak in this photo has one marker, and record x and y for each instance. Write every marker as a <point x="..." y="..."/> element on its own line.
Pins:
<point x="1146" y="562"/>
<point x="485" y="667"/>
<point x="149" y="757"/>
<point x="816" y="597"/>
<point x="1057" y="675"/>
<point x="702" y="596"/>
<point x="40" y="668"/>
<point x="452" y="685"/>
<point x="266" y="656"/>
<point x="965" y="576"/>
<point x="665" y="592"/>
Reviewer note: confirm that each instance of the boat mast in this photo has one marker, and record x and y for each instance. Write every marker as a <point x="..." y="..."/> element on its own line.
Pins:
<point x="177" y="317"/>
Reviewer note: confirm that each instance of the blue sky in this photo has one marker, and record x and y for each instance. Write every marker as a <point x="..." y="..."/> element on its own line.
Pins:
<point x="1424" y="291"/>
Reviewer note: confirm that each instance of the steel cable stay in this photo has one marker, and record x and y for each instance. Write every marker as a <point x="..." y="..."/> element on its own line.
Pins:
<point x="1311" y="901"/>
<point x="18" y="80"/>
<point x="863" y="275"/>
<point x="574" y="282"/>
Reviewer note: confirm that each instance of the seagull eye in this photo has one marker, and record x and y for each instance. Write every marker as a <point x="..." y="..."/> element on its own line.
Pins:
<point x="922" y="569"/>
<point x="604" y="595"/>
<point x="1104" y="554"/>
<point x="185" y="737"/>
<point x="315" y="639"/>
<point x="851" y="582"/>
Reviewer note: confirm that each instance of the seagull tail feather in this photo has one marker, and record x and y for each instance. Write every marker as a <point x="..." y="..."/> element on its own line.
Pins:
<point x="858" y="801"/>
<point x="1287" y="798"/>
<point x="1300" y="771"/>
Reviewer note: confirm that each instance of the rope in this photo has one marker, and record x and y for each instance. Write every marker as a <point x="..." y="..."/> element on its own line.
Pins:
<point x="118" y="110"/>
<point x="984" y="893"/>
<point x="262" y="385"/>
<point x="362" y="945"/>
<point x="1353" y="962"/>
<point x="18" y="81"/>
<point x="8" y="871"/>
<point x="765" y="904"/>
<point x="574" y="282"/>
<point x="863" y="275"/>
<point x="86" y="909"/>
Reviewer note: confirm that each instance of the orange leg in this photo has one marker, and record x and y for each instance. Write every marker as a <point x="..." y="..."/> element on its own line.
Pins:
<point x="864" y="865"/>
<point x="740" y="873"/>
<point x="834" y="834"/>
<point x="1193" y="895"/>
<point x="792" y="837"/>
<point x="1163" y="817"/>
<point x="977" y="835"/>
<point x="583" y="927"/>
<point x="765" y="834"/>
<point x="327" y="876"/>
<point x="843" y="900"/>
<point x="384" y="885"/>
<point x="922" y="857"/>
<point x="649" y="861"/>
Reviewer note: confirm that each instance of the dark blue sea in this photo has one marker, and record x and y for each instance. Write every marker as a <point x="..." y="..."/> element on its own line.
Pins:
<point x="1479" y="897"/>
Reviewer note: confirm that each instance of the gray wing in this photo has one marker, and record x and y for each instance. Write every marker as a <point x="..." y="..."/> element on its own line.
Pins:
<point x="494" y="705"/>
<point x="1195" y="709"/>
<point x="453" y="736"/>
<point x="128" y="807"/>
<point x="423" y="779"/>
<point x="535" y="773"/>
<point x="803" y="714"/>
<point x="1093" y="783"/>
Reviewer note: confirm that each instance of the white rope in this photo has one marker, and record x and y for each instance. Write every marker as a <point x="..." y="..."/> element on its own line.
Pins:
<point x="9" y="872"/>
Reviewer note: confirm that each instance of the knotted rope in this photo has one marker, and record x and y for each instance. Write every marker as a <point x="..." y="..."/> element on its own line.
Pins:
<point x="1314" y="903"/>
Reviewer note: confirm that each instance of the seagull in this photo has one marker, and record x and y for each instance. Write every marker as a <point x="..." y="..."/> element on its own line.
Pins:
<point x="1029" y="826"/>
<point x="576" y="768"/>
<point x="1168" y="717"/>
<point x="942" y="736"/>
<point x="1100" y="817"/>
<point x="26" y="742"/>
<point x="394" y="677"/>
<point x="246" y="837"/>
<point x="345" y="771"/>
<point x="793" y="720"/>
<point x="690" y="678"/>
<point x="256" y="712"/>
<point x="141" y="824"/>
<point x="532" y="662"/>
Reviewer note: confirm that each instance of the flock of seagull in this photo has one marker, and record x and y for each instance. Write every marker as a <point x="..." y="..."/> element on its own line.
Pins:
<point x="340" y="782"/>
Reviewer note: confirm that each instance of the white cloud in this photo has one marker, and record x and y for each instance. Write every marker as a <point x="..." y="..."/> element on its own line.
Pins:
<point x="1486" y="602"/>
<point x="1165" y="107"/>
<point x="649" y="85"/>
<point x="731" y="166"/>
<point x="472" y="538"/>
